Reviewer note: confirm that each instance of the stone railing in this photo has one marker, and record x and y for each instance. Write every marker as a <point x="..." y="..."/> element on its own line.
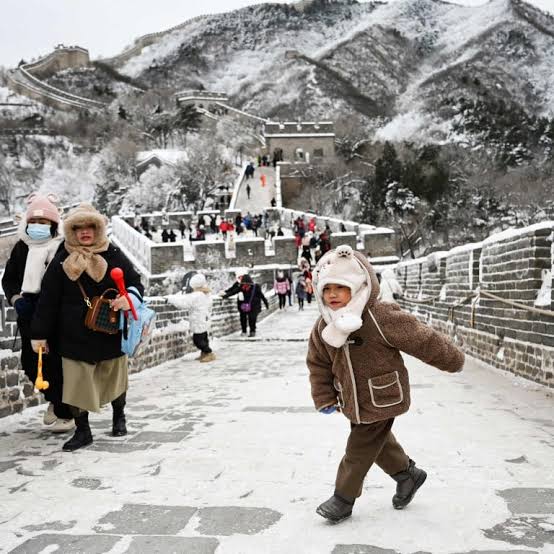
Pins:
<point x="278" y="187"/>
<point x="134" y="243"/>
<point x="171" y="340"/>
<point x="484" y="294"/>
<point x="236" y="187"/>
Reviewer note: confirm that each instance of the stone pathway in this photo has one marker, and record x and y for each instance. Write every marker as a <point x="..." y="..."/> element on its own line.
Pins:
<point x="231" y="458"/>
<point x="260" y="197"/>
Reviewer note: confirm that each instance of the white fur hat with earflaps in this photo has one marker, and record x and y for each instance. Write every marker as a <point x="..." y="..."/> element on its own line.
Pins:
<point x="341" y="267"/>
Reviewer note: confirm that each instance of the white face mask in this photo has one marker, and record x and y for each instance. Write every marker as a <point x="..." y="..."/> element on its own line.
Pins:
<point x="39" y="231"/>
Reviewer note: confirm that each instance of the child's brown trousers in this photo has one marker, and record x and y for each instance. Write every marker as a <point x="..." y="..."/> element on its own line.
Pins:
<point x="368" y="444"/>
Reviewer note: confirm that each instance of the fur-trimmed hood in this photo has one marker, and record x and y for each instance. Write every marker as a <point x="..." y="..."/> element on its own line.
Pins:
<point x="84" y="214"/>
<point x="342" y="322"/>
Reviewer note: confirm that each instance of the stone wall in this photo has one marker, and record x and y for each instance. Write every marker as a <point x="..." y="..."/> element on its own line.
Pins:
<point x="171" y="340"/>
<point x="154" y="260"/>
<point x="449" y="291"/>
<point x="69" y="57"/>
<point x="315" y="149"/>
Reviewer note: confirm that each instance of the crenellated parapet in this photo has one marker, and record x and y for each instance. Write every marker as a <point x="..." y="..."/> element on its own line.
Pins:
<point x="155" y="259"/>
<point x="494" y="297"/>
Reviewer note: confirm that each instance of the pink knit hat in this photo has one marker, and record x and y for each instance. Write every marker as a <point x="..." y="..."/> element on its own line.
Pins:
<point x="42" y="206"/>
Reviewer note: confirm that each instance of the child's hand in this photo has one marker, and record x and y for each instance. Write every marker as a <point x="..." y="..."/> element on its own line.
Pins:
<point x="328" y="410"/>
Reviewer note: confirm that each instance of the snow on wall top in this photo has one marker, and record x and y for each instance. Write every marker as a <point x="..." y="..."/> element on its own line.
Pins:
<point x="514" y="233"/>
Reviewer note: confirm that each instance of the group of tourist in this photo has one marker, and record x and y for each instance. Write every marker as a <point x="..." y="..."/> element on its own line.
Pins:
<point x="312" y="243"/>
<point x="54" y="273"/>
<point x="53" y="279"/>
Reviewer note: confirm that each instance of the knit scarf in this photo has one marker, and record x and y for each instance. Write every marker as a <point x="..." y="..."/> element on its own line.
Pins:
<point x="346" y="320"/>
<point x="38" y="258"/>
<point x="86" y="259"/>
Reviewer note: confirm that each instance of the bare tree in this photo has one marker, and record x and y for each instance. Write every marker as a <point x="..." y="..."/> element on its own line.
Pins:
<point x="6" y="185"/>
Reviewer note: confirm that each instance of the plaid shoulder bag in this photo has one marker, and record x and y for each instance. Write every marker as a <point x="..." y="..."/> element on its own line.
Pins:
<point x="100" y="316"/>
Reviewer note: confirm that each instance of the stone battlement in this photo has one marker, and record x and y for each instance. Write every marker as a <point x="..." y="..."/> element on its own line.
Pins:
<point x="511" y="329"/>
<point x="172" y="339"/>
<point x="300" y="128"/>
<point x="155" y="259"/>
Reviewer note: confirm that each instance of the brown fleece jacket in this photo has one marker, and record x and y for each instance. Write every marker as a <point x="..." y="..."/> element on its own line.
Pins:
<point x="367" y="377"/>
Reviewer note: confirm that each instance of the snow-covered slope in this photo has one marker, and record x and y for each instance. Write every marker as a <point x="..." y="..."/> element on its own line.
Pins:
<point x="384" y="63"/>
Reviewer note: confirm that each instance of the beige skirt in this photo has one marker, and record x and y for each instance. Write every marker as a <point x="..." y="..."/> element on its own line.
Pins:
<point x="90" y="386"/>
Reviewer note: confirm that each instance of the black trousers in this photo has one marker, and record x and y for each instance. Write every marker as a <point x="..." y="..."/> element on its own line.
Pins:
<point x="250" y="318"/>
<point x="51" y="371"/>
<point x="282" y="301"/>
<point x="201" y="342"/>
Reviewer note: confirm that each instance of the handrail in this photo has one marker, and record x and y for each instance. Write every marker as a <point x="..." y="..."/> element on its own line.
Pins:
<point x="474" y="298"/>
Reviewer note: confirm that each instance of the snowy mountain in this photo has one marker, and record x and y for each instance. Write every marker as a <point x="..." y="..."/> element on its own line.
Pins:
<point x="400" y="61"/>
<point x="476" y="81"/>
<point x="399" y="68"/>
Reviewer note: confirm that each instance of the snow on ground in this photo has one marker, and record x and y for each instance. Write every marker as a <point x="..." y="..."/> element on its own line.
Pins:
<point x="166" y="155"/>
<point x="232" y="456"/>
<point x="414" y="126"/>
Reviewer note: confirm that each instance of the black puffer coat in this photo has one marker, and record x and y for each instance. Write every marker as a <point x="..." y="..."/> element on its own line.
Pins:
<point x="257" y="296"/>
<point x="61" y="307"/>
<point x="15" y="270"/>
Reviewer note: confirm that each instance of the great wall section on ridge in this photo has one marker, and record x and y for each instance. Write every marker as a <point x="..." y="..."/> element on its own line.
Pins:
<point x="27" y="79"/>
<point x="483" y="294"/>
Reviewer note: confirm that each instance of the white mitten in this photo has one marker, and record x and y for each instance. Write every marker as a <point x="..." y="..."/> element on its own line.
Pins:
<point x="348" y="322"/>
<point x="334" y="336"/>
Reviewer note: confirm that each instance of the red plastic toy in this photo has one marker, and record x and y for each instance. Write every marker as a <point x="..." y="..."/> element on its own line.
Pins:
<point x="117" y="277"/>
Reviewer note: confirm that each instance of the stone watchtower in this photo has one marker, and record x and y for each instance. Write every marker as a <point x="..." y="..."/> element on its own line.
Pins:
<point x="301" y="141"/>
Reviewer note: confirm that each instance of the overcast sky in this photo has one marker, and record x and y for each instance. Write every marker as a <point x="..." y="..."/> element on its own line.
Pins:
<point x="31" y="28"/>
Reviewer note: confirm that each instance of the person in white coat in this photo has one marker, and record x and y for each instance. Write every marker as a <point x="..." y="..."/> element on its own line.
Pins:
<point x="391" y="290"/>
<point x="199" y="305"/>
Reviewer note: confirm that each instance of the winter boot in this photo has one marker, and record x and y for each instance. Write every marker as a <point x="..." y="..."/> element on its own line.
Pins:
<point x="408" y="482"/>
<point x="119" y="427"/>
<point x="208" y="357"/>
<point x="82" y="436"/>
<point x="252" y="334"/>
<point x="335" y="509"/>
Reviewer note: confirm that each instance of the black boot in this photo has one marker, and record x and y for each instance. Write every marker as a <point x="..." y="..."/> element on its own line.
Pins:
<point x="408" y="482"/>
<point x="119" y="427"/>
<point x="335" y="509"/>
<point x="82" y="436"/>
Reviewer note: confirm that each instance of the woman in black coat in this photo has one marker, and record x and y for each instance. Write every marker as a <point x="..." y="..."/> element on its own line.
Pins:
<point x="39" y="240"/>
<point x="95" y="370"/>
<point x="249" y="302"/>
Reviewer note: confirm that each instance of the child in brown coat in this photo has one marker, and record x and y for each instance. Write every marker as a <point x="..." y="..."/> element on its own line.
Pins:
<point x="356" y="368"/>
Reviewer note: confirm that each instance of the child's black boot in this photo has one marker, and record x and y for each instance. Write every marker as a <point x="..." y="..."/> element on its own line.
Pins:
<point x="408" y="481"/>
<point x="335" y="509"/>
